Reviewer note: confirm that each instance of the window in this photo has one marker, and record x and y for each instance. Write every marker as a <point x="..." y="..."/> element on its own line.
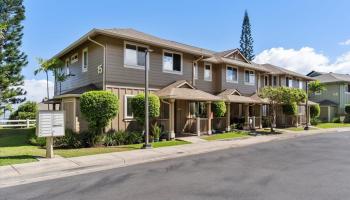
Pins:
<point x="289" y="82"/>
<point x="231" y="74"/>
<point x="300" y="84"/>
<point x="198" y="109"/>
<point x="274" y="80"/>
<point x="135" y="56"/>
<point x="67" y="66"/>
<point x="128" y="114"/>
<point x="207" y="72"/>
<point x="74" y="58"/>
<point x="85" y="60"/>
<point x="172" y="62"/>
<point x="266" y="81"/>
<point x="249" y="77"/>
<point x="264" y="110"/>
<point x="195" y="70"/>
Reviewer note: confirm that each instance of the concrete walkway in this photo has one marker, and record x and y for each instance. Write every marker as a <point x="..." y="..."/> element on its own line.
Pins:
<point x="57" y="167"/>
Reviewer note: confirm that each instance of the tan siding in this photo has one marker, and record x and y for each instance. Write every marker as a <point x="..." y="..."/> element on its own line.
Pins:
<point x="240" y="86"/>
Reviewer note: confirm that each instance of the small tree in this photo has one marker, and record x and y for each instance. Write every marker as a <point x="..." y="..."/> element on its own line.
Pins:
<point x="316" y="86"/>
<point x="138" y="107"/>
<point x="99" y="108"/>
<point x="26" y="110"/>
<point x="60" y="77"/>
<point x="279" y="96"/>
<point x="219" y="108"/>
<point x="315" y="111"/>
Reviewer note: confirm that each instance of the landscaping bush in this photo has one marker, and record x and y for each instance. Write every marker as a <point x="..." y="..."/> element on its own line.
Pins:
<point x="138" y="106"/>
<point x="156" y="131"/>
<point x="99" y="108"/>
<point x="347" y="109"/>
<point x="35" y="140"/>
<point x="315" y="121"/>
<point x="134" y="138"/>
<point x="26" y="110"/>
<point x="314" y="111"/>
<point x="71" y="139"/>
<point x="290" y="109"/>
<point x="336" y="120"/>
<point x="219" y="108"/>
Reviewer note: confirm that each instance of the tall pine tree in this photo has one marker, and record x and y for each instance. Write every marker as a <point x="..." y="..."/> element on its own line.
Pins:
<point x="12" y="60"/>
<point x="246" y="41"/>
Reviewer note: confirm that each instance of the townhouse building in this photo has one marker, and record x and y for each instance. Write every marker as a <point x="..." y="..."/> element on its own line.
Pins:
<point x="186" y="78"/>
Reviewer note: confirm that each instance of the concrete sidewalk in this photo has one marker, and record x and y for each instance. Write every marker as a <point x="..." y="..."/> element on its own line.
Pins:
<point x="57" y="167"/>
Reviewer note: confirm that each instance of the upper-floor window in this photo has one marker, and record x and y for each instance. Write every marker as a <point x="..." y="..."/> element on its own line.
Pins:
<point x="74" y="58"/>
<point x="85" y="60"/>
<point x="207" y="72"/>
<point x="66" y="66"/>
<point x="348" y="88"/>
<point x="135" y="55"/>
<point x="195" y="70"/>
<point x="128" y="113"/>
<point x="289" y="82"/>
<point x="231" y="74"/>
<point x="249" y="77"/>
<point x="172" y="62"/>
<point x="266" y="80"/>
<point x="274" y="80"/>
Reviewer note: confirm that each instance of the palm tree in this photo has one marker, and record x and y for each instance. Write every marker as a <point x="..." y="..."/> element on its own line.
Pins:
<point x="46" y="66"/>
<point x="61" y="76"/>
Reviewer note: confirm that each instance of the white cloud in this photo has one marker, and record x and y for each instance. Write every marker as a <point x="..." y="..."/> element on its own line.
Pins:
<point x="346" y="42"/>
<point x="36" y="89"/>
<point x="303" y="60"/>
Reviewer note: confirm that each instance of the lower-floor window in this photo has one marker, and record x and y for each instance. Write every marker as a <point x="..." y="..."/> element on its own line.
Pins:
<point x="128" y="113"/>
<point x="198" y="109"/>
<point x="264" y="110"/>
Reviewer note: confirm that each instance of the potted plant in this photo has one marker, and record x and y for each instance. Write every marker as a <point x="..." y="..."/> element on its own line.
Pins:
<point x="156" y="130"/>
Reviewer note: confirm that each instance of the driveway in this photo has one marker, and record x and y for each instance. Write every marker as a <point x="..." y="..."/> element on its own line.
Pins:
<point x="312" y="167"/>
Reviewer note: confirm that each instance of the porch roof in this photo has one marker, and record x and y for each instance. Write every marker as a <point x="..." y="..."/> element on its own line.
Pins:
<point x="229" y="95"/>
<point x="182" y="90"/>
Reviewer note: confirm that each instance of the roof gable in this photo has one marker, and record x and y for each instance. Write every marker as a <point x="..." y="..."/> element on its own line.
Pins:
<point x="234" y="54"/>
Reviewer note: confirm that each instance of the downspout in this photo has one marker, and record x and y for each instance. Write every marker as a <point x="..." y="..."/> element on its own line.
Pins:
<point x="194" y="78"/>
<point x="104" y="62"/>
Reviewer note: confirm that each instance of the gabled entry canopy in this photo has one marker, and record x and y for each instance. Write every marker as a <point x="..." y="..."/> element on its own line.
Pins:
<point x="234" y="96"/>
<point x="183" y="90"/>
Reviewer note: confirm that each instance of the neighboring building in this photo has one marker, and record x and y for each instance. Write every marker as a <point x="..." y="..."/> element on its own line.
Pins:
<point x="332" y="101"/>
<point x="186" y="78"/>
<point x="315" y="73"/>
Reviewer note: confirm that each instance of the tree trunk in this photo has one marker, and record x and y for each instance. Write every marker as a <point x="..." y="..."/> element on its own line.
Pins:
<point x="273" y="120"/>
<point x="47" y="89"/>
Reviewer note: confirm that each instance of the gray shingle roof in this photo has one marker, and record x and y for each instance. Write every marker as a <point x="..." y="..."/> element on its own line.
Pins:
<point x="333" y="77"/>
<point x="283" y="71"/>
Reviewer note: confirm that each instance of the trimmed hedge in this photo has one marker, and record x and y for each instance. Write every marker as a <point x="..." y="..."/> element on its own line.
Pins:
<point x="290" y="109"/>
<point x="347" y="109"/>
<point x="26" y="110"/>
<point x="138" y="106"/>
<point x="315" y="111"/>
<point x="99" y="108"/>
<point x="219" y="108"/>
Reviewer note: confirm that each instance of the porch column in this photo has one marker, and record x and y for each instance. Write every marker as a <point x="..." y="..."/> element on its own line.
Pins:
<point x="209" y="116"/>
<point x="246" y="115"/>
<point x="260" y="115"/>
<point x="228" y="116"/>
<point x="171" y="118"/>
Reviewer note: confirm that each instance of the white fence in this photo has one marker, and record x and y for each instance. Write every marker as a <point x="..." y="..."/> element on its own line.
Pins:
<point x="22" y="123"/>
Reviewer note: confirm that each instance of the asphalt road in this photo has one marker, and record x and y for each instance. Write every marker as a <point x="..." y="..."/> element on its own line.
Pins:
<point x="313" y="167"/>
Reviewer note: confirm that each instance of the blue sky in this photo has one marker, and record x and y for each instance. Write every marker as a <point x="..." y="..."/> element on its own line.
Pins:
<point x="292" y="25"/>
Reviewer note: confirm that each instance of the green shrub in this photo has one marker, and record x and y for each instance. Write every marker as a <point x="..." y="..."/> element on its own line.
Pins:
<point x="134" y="138"/>
<point x="71" y="139"/>
<point x="109" y="138"/>
<point x="138" y="106"/>
<point x="347" y="109"/>
<point x="290" y="109"/>
<point x="35" y="140"/>
<point x="315" y="111"/>
<point x="315" y="121"/>
<point x="336" y="120"/>
<point x="219" y="108"/>
<point x="26" y="110"/>
<point x="156" y="131"/>
<point x="99" y="108"/>
<point x="89" y="139"/>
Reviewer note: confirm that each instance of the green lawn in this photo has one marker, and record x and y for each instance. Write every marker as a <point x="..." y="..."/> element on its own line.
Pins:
<point x="229" y="135"/>
<point x="15" y="149"/>
<point x="332" y="125"/>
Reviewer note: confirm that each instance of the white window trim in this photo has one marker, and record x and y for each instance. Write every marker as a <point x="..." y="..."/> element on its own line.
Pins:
<point x="195" y="70"/>
<point x="72" y="60"/>
<point x="211" y="72"/>
<point x="172" y="71"/>
<point x="126" y="106"/>
<point x="232" y="81"/>
<point x="135" y="66"/>
<point x="245" y="80"/>
<point x="67" y="70"/>
<point x="83" y="68"/>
